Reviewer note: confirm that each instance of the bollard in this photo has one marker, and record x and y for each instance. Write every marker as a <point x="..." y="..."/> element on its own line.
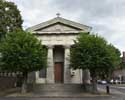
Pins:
<point x="107" y="89"/>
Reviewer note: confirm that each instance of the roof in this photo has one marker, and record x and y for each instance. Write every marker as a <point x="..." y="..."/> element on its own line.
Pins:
<point x="60" y="20"/>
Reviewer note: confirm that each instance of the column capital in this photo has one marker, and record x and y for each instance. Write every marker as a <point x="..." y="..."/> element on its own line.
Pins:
<point x="50" y="46"/>
<point x="66" y="46"/>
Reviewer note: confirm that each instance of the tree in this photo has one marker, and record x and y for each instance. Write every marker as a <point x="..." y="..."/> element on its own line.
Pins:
<point x="114" y="55"/>
<point x="22" y="52"/>
<point x="94" y="53"/>
<point x="10" y="18"/>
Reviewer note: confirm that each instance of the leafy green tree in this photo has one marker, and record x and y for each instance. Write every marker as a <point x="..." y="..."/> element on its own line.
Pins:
<point x="10" y="18"/>
<point x="94" y="53"/>
<point x="114" y="55"/>
<point x="22" y="52"/>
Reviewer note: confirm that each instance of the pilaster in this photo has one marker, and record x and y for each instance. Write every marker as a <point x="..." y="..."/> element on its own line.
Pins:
<point x="67" y="74"/>
<point x="50" y="65"/>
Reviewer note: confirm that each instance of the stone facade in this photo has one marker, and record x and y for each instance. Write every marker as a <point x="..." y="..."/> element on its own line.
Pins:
<point x="58" y="36"/>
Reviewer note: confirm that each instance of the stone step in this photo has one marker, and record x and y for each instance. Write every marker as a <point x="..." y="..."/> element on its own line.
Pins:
<point x="58" y="94"/>
<point x="59" y="88"/>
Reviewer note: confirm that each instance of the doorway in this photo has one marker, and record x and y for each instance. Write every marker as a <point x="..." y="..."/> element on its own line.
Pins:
<point x="58" y="72"/>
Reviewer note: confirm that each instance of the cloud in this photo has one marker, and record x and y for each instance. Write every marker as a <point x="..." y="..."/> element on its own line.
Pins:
<point x="107" y="17"/>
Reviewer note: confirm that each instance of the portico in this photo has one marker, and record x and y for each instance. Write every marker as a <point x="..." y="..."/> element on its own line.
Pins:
<point x="58" y="36"/>
<point x="58" y="64"/>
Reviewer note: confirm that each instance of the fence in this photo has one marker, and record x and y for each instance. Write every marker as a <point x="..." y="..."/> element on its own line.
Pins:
<point x="10" y="80"/>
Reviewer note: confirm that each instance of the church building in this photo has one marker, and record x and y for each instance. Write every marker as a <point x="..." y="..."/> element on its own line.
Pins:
<point x="58" y="35"/>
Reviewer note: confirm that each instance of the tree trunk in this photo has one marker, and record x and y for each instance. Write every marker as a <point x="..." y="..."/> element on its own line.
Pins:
<point x="24" y="84"/>
<point x="86" y="76"/>
<point x="94" y="83"/>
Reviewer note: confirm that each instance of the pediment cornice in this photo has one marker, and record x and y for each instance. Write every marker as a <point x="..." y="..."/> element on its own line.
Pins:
<point x="71" y="26"/>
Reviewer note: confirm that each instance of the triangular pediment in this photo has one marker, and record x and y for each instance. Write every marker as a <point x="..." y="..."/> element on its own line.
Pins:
<point x="58" y="25"/>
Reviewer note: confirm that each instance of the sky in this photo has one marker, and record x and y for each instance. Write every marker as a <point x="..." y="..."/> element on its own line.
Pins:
<point x="106" y="17"/>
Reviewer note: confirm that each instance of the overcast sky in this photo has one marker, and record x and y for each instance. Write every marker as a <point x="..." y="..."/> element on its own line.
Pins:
<point x="107" y="17"/>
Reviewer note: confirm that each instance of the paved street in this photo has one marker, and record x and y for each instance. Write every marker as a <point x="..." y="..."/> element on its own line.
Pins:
<point x="119" y="88"/>
<point x="117" y="93"/>
<point x="82" y="98"/>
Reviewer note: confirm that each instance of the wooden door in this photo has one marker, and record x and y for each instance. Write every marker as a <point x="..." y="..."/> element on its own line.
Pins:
<point x="58" y="72"/>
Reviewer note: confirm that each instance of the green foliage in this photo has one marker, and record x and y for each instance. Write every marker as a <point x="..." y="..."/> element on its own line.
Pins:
<point x="22" y="52"/>
<point x="94" y="53"/>
<point x="10" y="18"/>
<point x="114" y="55"/>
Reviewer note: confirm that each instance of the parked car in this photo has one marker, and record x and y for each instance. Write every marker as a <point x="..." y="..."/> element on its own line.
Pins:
<point x="111" y="81"/>
<point x="116" y="81"/>
<point x="104" y="82"/>
<point x="101" y="81"/>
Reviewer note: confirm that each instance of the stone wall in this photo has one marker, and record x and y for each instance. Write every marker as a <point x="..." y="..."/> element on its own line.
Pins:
<point x="10" y="80"/>
<point x="7" y="83"/>
<point x="119" y="73"/>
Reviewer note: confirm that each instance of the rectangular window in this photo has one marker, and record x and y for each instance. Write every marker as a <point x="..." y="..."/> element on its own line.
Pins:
<point x="42" y="73"/>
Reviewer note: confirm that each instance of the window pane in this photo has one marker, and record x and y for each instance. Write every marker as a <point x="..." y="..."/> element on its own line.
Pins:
<point x="42" y="73"/>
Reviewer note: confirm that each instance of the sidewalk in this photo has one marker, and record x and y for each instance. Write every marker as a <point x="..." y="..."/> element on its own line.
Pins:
<point x="58" y="94"/>
<point x="9" y="91"/>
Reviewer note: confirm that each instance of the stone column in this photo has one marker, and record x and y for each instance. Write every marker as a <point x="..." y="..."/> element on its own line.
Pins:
<point x="67" y="75"/>
<point x="50" y="65"/>
<point x="37" y="76"/>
